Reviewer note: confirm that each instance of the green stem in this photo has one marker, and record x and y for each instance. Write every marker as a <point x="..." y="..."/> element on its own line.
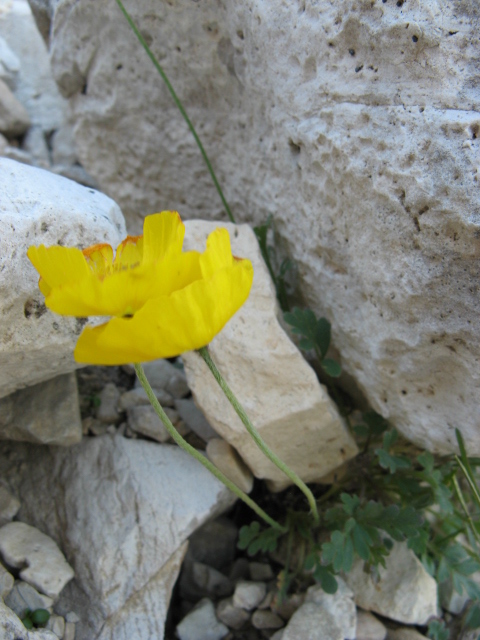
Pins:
<point x="179" y="105"/>
<point x="240" y="411"/>
<point x="198" y="456"/>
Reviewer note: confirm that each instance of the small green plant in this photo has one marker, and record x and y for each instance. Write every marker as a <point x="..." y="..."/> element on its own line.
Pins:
<point x="437" y="630"/>
<point x="315" y="334"/>
<point x="36" y="618"/>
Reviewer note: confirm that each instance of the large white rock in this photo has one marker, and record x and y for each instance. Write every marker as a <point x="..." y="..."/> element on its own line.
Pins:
<point x="38" y="207"/>
<point x="278" y="389"/>
<point x="120" y="510"/>
<point x="355" y="124"/>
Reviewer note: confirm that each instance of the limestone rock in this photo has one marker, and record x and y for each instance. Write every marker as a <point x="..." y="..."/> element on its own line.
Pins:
<point x="144" y="420"/>
<point x="201" y="624"/>
<point x="35" y="87"/>
<point x="38" y="557"/>
<point x="404" y="591"/>
<point x="14" y="119"/>
<point x="119" y="509"/>
<point x="266" y="620"/>
<point x="138" y="397"/>
<point x="279" y="391"/>
<point x="225" y="458"/>
<point x="312" y="622"/>
<point x="248" y="594"/>
<point x="23" y="596"/>
<point x="11" y="627"/>
<point x="107" y="411"/>
<point x="354" y="125"/>
<point x="405" y="634"/>
<point x="45" y="413"/>
<point x="194" y="419"/>
<point x="369" y="627"/>
<point x="339" y="605"/>
<point x="39" y="207"/>
<point x="234" y="617"/>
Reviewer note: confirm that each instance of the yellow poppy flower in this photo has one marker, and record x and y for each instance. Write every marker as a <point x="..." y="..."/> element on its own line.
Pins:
<point x="162" y="301"/>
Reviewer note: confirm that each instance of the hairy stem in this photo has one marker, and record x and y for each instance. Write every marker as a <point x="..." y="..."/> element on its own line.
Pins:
<point x="240" y="411"/>
<point x="198" y="456"/>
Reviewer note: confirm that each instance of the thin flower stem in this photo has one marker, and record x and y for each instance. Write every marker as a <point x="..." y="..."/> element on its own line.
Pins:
<point x="179" y="105"/>
<point x="198" y="456"/>
<point x="256" y="436"/>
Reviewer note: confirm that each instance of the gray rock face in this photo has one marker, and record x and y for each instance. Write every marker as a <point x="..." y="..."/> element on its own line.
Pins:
<point x="119" y="509"/>
<point x="355" y="125"/>
<point x="38" y="207"/>
<point x="278" y="389"/>
<point x="45" y="413"/>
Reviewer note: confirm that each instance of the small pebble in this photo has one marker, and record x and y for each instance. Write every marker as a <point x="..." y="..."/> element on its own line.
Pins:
<point x="56" y="624"/>
<point x="107" y="410"/>
<point x="201" y="624"/>
<point x="72" y="617"/>
<point x="369" y="627"/>
<point x="9" y="505"/>
<point x="266" y="620"/>
<point x="69" y="631"/>
<point x="234" y="617"/>
<point x="226" y="458"/>
<point x="248" y="595"/>
<point x="210" y="580"/>
<point x="6" y="582"/>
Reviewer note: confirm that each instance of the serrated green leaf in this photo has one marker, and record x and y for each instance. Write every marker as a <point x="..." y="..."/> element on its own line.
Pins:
<point x="375" y="422"/>
<point x="361" y="430"/>
<point x="390" y="462"/>
<point x="350" y="502"/>
<point x="437" y="630"/>
<point x="331" y="367"/>
<point x="247" y="534"/>
<point x="426" y="460"/>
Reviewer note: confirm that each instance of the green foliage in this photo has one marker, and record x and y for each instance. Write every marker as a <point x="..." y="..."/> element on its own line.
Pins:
<point x="437" y="630"/>
<point x="253" y="539"/>
<point x="472" y="618"/>
<point x="386" y="459"/>
<point x="36" y="618"/>
<point x="315" y="334"/>
<point x="322" y="574"/>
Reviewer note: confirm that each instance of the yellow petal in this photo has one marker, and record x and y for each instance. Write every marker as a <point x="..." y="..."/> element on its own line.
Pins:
<point x="162" y="233"/>
<point x="170" y="325"/>
<point x="218" y="253"/>
<point x="99" y="258"/>
<point x="129" y="253"/>
<point x="126" y="291"/>
<point x="58" y="265"/>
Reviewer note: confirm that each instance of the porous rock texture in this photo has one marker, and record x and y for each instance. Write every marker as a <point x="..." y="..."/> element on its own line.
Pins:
<point x="280" y="392"/>
<point x="121" y="511"/>
<point x="354" y="123"/>
<point x="38" y="207"/>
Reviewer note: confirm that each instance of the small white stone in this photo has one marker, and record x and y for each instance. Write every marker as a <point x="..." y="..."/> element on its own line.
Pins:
<point x="45" y="566"/>
<point x="56" y="624"/>
<point x="35" y="144"/>
<point x="14" y="119"/>
<point x="144" y="420"/>
<point x="69" y="631"/>
<point x="248" y="594"/>
<point x="404" y="634"/>
<point x="72" y="617"/>
<point x="234" y="617"/>
<point x="24" y="596"/>
<point x="201" y="624"/>
<point x="266" y="620"/>
<point x="194" y="418"/>
<point x="369" y="627"/>
<point x="107" y="411"/>
<point x="224" y="456"/>
<point x="313" y="622"/>
<point x="11" y="627"/>
<point x="340" y="606"/>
